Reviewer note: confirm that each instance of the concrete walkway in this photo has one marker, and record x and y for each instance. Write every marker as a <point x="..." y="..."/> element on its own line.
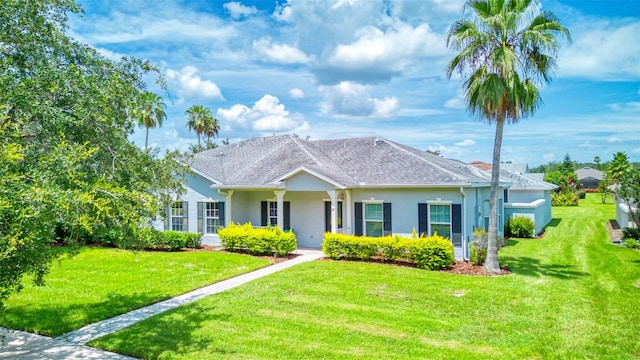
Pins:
<point x="23" y="345"/>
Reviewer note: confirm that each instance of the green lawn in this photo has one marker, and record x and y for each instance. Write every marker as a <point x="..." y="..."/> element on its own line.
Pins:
<point x="572" y="295"/>
<point x="100" y="283"/>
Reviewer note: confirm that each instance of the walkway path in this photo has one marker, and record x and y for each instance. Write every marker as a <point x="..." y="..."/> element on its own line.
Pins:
<point x="23" y="345"/>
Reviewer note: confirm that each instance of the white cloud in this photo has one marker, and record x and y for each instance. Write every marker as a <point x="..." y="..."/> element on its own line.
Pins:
<point x="267" y="114"/>
<point x="279" y="53"/>
<point x="603" y="50"/>
<point x="352" y="100"/>
<point x="237" y="10"/>
<point x="190" y="84"/>
<point x="455" y="103"/>
<point x="296" y="93"/>
<point x="613" y="140"/>
<point x="586" y="144"/>
<point x="388" y="50"/>
<point x="465" y="142"/>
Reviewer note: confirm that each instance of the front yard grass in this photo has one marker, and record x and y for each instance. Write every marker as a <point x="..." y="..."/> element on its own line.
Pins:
<point x="571" y="295"/>
<point x="100" y="283"/>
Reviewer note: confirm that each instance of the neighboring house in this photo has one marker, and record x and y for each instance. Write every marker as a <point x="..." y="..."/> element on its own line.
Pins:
<point x="589" y="178"/>
<point x="515" y="168"/>
<point x="527" y="196"/>
<point x="363" y="186"/>
<point x="624" y="217"/>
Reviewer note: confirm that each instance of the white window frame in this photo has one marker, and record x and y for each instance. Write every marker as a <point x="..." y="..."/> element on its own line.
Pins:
<point x="177" y="216"/>
<point x="214" y="217"/>
<point x="272" y="213"/>
<point x="429" y="212"/>
<point x="365" y="220"/>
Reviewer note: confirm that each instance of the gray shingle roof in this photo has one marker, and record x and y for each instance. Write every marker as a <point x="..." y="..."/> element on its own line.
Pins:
<point x="526" y="182"/>
<point x="354" y="162"/>
<point x="587" y="172"/>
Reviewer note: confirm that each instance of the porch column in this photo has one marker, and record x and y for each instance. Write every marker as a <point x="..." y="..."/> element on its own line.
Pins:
<point x="280" y="198"/>
<point x="346" y="221"/>
<point x="334" y="213"/>
<point x="227" y="208"/>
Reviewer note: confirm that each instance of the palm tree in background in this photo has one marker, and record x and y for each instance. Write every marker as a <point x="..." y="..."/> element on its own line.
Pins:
<point x="199" y="119"/>
<point x="507" y="49"/>
<point x="212" y="131"/>
<point x="149" y="112"/>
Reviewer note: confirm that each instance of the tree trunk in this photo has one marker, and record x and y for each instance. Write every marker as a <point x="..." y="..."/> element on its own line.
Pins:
<point x="146" y="140"/>
<point x="491" y="264"/>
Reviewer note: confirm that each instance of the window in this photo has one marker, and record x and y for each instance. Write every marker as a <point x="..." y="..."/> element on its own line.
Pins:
<point x="212" y="217"/>
<point x="487" y="211"/>
<point x="327" y="215"/>
<point x="373" y="219"/>
<point x="177" y="216"/>
<point x="440" y="219"/>
<point x="272" y="218"/>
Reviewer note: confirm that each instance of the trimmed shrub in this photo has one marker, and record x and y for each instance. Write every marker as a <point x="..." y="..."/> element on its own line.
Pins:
<point x="520" y="227"/>
<point x="478" y="248"/>
<point x="631" y="243"/>
<point x="631" y="233"/>
<point x="260" y="241"/>
<point x="564" y="199"/>
<point x="433" y="253"/>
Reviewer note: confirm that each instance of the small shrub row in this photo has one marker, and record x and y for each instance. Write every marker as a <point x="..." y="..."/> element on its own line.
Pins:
<point x="478" y="248"/>
<point x="564" y="199"/>
<point x="257" y="241"/>
<point x="631" y="233"/>
<point x="519" y="227"/>
<point x="149" y="238"/>
<point x="433" y="252"/>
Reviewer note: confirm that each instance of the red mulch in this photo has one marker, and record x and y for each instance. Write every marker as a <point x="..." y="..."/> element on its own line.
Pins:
<point x="459" y="268"/>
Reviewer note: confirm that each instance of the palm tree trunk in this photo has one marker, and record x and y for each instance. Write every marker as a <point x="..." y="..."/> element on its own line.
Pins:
<point x="491" y="264"/>
<point x="146" y="140"/>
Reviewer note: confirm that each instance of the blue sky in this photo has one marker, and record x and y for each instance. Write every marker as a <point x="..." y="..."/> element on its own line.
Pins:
<point x="345" y="68"/>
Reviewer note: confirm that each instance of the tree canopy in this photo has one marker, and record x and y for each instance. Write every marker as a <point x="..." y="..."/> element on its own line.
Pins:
<point x="67" y="166"/>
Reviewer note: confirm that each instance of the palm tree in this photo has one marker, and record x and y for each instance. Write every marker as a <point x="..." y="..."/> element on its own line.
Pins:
<point x="507" y="48"/>
<point x="596" y="160"/>
<point x="149" y="112"/>
<point x="200" y="120"/>
<point x="211" y="130"/>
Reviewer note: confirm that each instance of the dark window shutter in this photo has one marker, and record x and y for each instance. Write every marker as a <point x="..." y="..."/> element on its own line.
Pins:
<point x="386" y="219"/>
<point x="327" y="216"/>
<point x="506" y="195"/>
<point x="200" y="211"/>
<point x="358" y="219"/>
<point x="423" y="217"/>
<point x="167" y="218"/>
<point x="287" y="215"/>
<point x="185" y="216"/>
<point x="221" y="214"/>
<point x="456" y="224"/>
<point x="263" y="213"/>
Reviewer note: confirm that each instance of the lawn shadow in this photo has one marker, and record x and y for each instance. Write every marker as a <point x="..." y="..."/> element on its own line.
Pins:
<point x="554" y="222"/>
<point x="57" y="319"/>
<point x="532" y="267"/>
<point x="174" y="332"/>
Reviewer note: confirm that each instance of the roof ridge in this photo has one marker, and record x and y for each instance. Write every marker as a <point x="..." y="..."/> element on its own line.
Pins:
<point x="297" y="141"/>
<point x="420" y="158"/>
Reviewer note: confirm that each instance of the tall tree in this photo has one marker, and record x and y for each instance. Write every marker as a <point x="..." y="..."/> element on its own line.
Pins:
<point x="200" y="120"/>
<point x="149" y="112"/>
<point x="618" y="167"/>
<point x="212" y="131"/>
<point x="596" y="160"/>
<point x="507" y="49"/>
<point x="67" y="166"/>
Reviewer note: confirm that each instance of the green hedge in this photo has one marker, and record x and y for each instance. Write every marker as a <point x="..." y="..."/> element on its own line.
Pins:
<point x="519" y="227"/>
<point x="433" y="253"/>
<point x="167" y="240"/>
<point x="259" y="241"/>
